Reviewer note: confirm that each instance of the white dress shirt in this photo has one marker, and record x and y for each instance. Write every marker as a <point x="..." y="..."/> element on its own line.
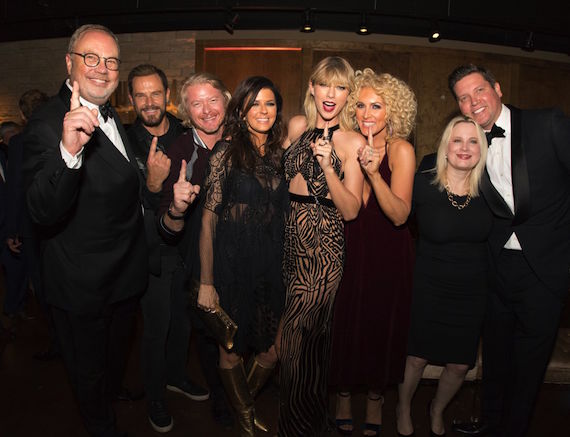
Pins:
<point x="499" y="168"/>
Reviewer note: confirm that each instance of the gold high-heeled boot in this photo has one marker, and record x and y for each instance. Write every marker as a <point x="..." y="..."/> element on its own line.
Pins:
<point x="257" y="376"/>
<point x="235" y="384"/>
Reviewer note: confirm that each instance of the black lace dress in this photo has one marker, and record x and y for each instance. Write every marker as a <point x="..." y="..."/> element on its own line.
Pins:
<point x="313" y="263"/>
<point x="241" y="245"/>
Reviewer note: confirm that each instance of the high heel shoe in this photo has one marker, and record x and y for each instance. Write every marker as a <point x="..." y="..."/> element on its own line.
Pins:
<point x="431" y="433"/>
<point x="373" y="427"/>
<point x="348" y="423"/>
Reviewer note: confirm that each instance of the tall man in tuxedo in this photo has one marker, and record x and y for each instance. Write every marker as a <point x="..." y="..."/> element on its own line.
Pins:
<point x="527" y="187"/>
<point x="84" y="190"/>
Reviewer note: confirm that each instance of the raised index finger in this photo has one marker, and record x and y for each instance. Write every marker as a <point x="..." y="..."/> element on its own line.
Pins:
<point x="370" y="137"/>
<point x="74" y="101"/>
<point x="152" y="148"/>
<point x="182" y="175"/>
<point x="326" y="132"/>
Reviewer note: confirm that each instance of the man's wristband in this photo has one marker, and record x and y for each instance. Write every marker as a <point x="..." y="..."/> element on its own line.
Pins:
<point x="174" y="217"/>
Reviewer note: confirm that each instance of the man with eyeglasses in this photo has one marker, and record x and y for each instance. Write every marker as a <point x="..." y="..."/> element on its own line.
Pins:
<point x="84" y="190"/>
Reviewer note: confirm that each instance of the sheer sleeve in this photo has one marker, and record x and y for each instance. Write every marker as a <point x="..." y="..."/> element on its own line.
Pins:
<point x="213" y="188"/>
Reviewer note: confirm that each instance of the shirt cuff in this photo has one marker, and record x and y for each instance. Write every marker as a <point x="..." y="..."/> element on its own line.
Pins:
<point x="73" y="162"/>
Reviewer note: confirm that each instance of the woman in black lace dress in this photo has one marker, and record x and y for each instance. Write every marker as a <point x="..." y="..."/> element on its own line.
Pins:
<point x="325" y="187"/>
<point x="241" y="240"/>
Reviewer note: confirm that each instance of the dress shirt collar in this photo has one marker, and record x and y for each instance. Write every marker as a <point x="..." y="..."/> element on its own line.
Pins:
<point x="197" y="139"/>
<point x="504" y="120"/>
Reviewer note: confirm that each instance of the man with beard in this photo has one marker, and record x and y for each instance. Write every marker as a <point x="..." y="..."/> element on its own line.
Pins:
<point x="203" y="102"/>
<point x="166" y="323"/>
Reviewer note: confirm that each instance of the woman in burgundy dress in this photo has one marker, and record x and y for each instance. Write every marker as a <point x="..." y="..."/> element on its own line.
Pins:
<point x="373" y="303"/>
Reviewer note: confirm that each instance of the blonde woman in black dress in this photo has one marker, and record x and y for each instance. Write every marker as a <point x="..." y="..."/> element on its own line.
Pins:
<point x="450" y="272"/>
<point x="325" y="187"/>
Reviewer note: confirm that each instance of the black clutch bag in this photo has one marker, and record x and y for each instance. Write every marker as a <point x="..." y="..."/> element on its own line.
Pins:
<point x="220" y="325"/>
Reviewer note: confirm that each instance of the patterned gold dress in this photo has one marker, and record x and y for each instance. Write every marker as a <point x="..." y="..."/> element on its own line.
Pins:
<point x="313" y="263"/>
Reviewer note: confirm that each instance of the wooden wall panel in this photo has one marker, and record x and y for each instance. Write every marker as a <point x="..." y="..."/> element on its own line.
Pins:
<point x="541" y="86"/>
<point x="282" y="67"/>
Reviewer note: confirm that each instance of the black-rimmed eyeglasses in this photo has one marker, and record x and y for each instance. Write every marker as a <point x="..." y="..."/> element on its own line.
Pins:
<point x="92" y="60"/>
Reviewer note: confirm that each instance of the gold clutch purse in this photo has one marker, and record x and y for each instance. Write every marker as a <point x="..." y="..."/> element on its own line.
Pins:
<point x="218" y="322"/>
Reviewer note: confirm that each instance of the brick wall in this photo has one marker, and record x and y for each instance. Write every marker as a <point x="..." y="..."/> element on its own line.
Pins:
<point x="41" y="64"/>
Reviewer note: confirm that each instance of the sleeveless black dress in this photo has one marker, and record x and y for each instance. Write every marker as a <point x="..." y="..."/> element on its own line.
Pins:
<point x="313" y="263"/>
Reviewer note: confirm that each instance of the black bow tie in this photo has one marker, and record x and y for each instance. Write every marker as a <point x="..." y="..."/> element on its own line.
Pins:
<point x="105" y="110"/>
<point x="495" y="132"/>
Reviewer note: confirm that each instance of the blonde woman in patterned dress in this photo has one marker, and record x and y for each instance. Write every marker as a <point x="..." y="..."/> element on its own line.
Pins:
<point x="325" y="188"/>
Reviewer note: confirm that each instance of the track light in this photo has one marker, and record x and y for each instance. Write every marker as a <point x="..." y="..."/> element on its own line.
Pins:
<point x="529" y="42"/>
<point x="308" y="26"/>
<point x="435" y="34"/>
<point x="363" y="28"/>
<point x="232" y="19"/>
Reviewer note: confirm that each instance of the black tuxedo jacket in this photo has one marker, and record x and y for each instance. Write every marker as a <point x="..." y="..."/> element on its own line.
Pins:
<point x="94" y="250"/>
<point x="540" y="165"/>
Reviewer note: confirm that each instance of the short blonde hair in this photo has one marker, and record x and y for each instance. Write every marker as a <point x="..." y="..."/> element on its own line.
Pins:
<point x="441" y="162"/>
<point x="400" y="101"/>
<point x="200" y="79"/>
<point x="332" y="70"/>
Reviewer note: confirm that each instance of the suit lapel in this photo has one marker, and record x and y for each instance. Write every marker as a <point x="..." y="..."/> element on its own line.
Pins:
<point x="125" y="138"/>
<point x="101" y="144"/>
<point x="128" y="148"/>
<point x="521" y="187"/>
<point x="494" y="200"/>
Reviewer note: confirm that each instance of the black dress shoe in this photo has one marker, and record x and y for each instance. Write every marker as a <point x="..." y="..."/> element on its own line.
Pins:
<point x="471" y="427"/>
<point x="126" y="395"/>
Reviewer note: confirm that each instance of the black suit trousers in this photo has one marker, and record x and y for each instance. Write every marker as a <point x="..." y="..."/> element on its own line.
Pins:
<point x="518" y="336"/>
<point x="166" y="332"/>
<point x="94" y="348"/>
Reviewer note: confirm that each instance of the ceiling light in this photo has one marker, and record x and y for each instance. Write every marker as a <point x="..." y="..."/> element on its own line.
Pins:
<point x="307" y="26"/>
<point x="232" y="19"/>
<point x="435" y="34"/>
<point x="363" y="28"/>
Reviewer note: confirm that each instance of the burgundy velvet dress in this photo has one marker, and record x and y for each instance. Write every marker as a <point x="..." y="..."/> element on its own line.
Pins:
<point x="372" y="308"/>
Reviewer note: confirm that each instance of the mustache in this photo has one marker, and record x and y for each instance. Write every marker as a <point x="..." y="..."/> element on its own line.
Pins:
<point x="151" y="108"/>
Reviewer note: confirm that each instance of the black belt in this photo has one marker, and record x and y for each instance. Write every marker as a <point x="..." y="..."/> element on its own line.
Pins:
<point x="317" y="200"/>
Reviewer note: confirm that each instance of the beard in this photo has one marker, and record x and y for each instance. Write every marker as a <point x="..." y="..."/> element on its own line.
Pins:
<point x="151" y="120"/>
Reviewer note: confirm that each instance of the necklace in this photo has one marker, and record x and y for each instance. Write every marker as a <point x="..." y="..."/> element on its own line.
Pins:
<point x="454" y="202"/>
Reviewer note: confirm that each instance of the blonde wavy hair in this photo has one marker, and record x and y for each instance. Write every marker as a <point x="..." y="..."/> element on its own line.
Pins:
<point x="400" y="101"/>
<point x="332" y="70"/>
<point x="199" y="79"/>
<point x="441" y="161"/>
